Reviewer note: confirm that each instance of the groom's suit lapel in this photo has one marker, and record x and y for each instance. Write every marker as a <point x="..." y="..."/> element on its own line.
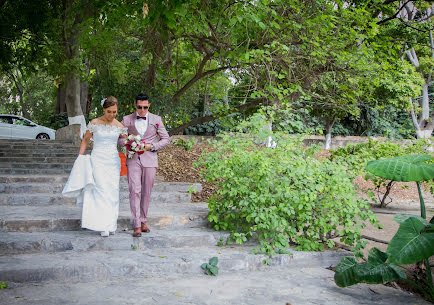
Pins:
<point x="151" y="125"/>
<point x="132" y="124"/>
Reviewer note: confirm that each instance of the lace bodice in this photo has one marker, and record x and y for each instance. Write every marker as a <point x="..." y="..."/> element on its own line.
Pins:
<point x="105" y="136"/>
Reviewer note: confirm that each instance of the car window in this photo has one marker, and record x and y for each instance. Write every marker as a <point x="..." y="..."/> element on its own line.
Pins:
<point x="18" y="121"/>
<point x="6" y="120"/>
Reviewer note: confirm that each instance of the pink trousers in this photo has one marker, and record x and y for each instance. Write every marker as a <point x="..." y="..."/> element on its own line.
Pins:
<point x="140" y="183"/>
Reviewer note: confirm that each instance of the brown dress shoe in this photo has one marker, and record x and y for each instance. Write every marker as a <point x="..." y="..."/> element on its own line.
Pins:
<point x="145" y="228"/>
<point x="137" y="232"/>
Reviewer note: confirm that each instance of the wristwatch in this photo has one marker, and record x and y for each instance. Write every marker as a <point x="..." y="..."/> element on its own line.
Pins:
<point x="152" y="148"/>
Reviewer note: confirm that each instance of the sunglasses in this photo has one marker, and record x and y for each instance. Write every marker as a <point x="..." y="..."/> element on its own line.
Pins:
<point x="142" y="107"/>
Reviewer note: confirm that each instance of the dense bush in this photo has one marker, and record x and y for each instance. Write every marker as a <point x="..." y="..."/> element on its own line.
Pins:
<point x="355" y="156"/>
<point x="282" y="195"/>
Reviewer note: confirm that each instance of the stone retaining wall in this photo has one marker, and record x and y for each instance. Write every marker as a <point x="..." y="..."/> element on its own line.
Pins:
<point x="71" y="134"/>
<point x="338" y="141"/>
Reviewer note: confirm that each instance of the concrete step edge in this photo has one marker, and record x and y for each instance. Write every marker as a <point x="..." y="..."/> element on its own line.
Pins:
<point x="90" y="266"/>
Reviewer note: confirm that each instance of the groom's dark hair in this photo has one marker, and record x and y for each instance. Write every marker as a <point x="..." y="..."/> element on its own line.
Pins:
<point x="142" y="97"/>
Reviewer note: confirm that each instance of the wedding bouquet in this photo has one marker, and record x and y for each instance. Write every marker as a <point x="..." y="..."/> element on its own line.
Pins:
<point x="134" y="144"/>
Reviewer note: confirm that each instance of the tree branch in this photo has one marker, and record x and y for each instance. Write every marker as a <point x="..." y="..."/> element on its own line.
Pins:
<point x="200" y="74"/>
<point x="394" y="16"/>
<point x="209" y="118"/>
<point x="411" y="54"/>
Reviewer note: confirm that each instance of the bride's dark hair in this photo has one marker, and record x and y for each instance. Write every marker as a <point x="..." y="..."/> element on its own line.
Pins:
<point x="110" y="101"/>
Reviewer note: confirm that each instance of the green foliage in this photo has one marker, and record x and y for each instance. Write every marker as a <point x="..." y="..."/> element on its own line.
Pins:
<point x="413" y="242"/>
<point x="220" y="243"/>
<point x="186" y="144"/>
<point x="192" y="190"/>
<point x="211" y="268"/>
<point x="3" y="285"/>
<point x="356" y="156"/>
<point x="282" y="195"/>
<point x="375" y="271"/>
<point x="134" y="247"/>
<point x="374" y="121"/>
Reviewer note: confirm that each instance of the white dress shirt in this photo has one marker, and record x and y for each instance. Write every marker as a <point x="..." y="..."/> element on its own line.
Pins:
<point x="141" y="125"/>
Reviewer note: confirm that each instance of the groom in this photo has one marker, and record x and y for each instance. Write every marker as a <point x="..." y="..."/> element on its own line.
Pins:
<point x="142" y="168"/>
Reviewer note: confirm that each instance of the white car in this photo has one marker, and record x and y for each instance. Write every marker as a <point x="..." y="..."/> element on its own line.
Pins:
<point x="16" y="127"/>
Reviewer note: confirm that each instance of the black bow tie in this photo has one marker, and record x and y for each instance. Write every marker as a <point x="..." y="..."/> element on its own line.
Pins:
<point x="141" y="117"/>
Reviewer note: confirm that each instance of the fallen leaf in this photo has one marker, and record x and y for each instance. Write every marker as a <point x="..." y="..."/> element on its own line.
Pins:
<point x="178" y="294"/>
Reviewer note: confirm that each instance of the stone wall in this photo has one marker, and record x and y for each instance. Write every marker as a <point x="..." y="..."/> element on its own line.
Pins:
<point x="338" y="141"/>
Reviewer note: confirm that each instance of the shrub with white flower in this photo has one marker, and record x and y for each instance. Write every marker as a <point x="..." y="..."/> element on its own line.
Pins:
<point x="134" y="144"/>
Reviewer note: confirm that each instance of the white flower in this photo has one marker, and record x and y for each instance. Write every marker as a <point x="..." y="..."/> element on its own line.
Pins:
<point x="134" y="145"/>
<point x="137" y="138"/>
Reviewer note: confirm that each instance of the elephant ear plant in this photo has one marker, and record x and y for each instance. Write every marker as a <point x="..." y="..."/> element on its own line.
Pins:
<point x="412" y="243"/>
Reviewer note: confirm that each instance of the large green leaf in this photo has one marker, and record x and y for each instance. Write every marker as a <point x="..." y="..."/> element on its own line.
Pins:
<point x="412" y="243"/>
<point x="404" y="168"/>
<point x="400" y="218"/>
<point x="345" y="272"/>
<point x="375" y="271"/>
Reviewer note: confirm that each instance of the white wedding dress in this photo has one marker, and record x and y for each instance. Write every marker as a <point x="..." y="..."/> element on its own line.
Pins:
<point x="94" y="180"/>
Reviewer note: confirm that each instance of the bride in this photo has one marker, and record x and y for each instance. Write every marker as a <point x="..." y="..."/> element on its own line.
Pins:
<point x="94" y="179"/>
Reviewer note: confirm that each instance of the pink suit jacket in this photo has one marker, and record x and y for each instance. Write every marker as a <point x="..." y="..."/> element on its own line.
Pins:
<point x="155" y="134"/>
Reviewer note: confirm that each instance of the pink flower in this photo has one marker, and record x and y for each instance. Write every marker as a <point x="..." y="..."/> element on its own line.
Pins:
<point x="158" y="125"/>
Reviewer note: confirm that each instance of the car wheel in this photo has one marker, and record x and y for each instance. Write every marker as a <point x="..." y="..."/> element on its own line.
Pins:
<point x="43" y="136"/>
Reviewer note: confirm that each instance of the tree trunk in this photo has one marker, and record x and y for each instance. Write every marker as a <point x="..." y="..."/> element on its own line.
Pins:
<point x="72" y="82"/>
<point x="61" y="96"/>
<point x="84" y="93"/>
<point x="423" y="123"/>
<point x="15" y="76"/>
<point x="328" y="129"/>
<point x="270" y="143"/>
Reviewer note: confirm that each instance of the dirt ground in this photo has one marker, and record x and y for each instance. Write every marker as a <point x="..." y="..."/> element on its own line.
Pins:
<point x="177" y="164"/>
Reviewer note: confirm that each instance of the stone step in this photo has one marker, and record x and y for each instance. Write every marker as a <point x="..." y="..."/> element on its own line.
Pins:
<point x="24" y="143"/>
<point x="270" y="285"/>
<point x="5" y="142"/>
<point x="100" y="265"/>
<point x="32" y="199"/>
<point x="52" y="179"/>
<point x="30" y="154"/>
<point x="14" y="243"/>
<point x="33" y="141"/>
<point x="32" y="149"/>
<point x="38" y="159"/>
<point x="56" y="188"/>
<point x="29" y="199"/>
<point x="33" y="179"/>
<point x="44" y="165"/>
<point x="33" y="171"/>
<point x="67" y="218"/>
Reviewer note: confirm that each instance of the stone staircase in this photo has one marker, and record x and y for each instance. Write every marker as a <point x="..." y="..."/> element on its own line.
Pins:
<point x="46" y="258"/>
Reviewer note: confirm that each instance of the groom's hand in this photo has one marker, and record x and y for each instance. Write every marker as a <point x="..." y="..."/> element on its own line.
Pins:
<point x="148" y="146"/>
